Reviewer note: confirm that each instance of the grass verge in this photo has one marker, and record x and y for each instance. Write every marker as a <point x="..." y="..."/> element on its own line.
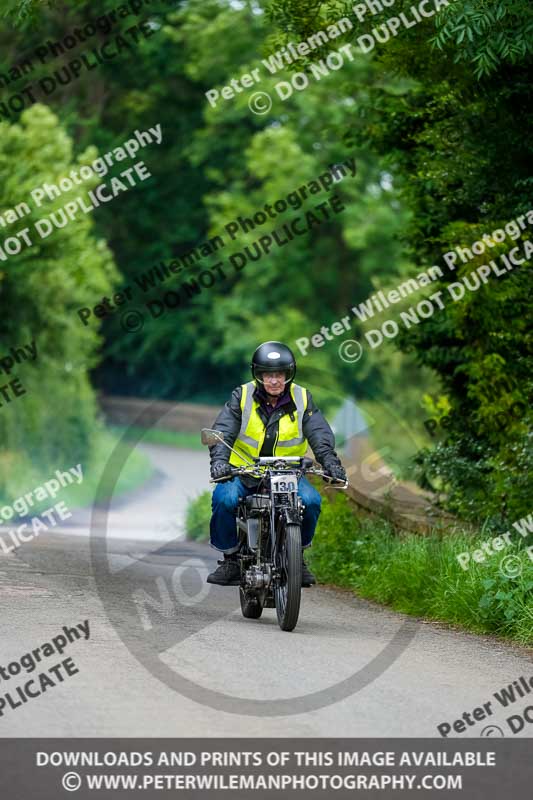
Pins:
<point x="420" y="575"/>
<point x="417" y="575"/>
<point x="24" y="478"/>
<point x="185" y="441"/>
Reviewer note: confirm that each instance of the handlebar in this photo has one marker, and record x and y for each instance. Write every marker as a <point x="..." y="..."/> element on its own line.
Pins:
<point x="266" y="461"/>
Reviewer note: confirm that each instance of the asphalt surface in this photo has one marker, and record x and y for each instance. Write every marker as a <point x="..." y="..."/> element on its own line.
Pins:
<point x="169" y="655"/>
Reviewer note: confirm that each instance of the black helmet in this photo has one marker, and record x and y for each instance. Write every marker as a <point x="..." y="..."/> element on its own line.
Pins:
<point x="273" y="357"/>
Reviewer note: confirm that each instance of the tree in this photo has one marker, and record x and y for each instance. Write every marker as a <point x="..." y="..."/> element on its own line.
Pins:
<point x="458" y="144"/>
<point x="41" y="290"/>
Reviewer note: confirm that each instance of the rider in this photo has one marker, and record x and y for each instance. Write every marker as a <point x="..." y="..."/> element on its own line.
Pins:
<point x="269" y="416"/>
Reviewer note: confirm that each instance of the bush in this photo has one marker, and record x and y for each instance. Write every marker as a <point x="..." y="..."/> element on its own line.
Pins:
<point x="197" y="517"/>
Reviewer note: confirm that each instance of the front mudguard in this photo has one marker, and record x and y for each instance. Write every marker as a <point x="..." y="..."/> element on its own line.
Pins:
<point x="291" y="516"/>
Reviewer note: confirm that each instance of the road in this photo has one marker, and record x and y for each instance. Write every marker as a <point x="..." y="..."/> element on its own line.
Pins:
<point x="169" y="655"/>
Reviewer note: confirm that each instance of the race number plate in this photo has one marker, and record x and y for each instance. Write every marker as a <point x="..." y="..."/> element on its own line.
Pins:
<point x="284" y="483"/>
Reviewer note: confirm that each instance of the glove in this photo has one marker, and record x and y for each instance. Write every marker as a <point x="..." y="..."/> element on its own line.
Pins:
<point x="335" y="470"/>
<point x="220" y="469"/>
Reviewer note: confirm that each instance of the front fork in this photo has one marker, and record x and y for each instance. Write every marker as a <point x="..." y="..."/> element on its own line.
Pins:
<point x="287" y="515"/>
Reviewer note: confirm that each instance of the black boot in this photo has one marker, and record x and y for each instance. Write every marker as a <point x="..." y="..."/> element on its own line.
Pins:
<point x="228" y="573"/>
<point x="308" y="579"/>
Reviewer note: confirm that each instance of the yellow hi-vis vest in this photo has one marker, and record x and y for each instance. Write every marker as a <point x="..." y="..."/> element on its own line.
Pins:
<point x="290" y="441"/>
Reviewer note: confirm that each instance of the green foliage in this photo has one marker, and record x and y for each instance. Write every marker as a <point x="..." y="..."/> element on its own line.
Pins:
<point x="459" y="153"/>
<point x="210" y="167"/>
<point x="197" y="517"/>
<point x="486" y="35"/>
<point x="213" y="165"/>
<point x="314" y="280"/>
<point x="41" y="288"/>
<point x="421" y="575"/>
<point x="21" y="12"/>
<point x="482" y="482"/>
<point x="483" y="34"/>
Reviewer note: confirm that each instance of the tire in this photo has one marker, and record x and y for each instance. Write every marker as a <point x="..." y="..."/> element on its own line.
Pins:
<point x="288" y="593"/>
<point x="250" y="608"/>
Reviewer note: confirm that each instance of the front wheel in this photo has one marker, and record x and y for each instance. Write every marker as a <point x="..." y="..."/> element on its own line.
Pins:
<point x="288" y="591"/>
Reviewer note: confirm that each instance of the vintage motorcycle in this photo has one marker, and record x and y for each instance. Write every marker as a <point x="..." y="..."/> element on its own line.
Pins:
<point x="269" y="527"/>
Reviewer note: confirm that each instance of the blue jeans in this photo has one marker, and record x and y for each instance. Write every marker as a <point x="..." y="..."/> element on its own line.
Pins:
<point x="225" y="500"/>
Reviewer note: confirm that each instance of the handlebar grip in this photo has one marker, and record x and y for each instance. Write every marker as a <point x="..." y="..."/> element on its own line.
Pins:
<point x="228" y="476"/>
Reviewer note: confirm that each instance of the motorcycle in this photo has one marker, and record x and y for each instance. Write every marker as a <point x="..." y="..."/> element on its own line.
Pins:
<point x="269" y="527"/>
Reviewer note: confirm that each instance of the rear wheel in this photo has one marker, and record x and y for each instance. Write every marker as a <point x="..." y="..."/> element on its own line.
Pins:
<point x="289" y="589"/>
<point x="250" y="607"/>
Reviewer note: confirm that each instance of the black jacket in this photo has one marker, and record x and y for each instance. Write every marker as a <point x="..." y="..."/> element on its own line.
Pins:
<point x="315" y="429"/>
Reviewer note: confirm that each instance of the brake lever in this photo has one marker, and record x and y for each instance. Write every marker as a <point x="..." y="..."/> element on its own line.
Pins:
<point x="331" y="481"/>
<point x="342" y="484"/>
<point x="237" y="471"/>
